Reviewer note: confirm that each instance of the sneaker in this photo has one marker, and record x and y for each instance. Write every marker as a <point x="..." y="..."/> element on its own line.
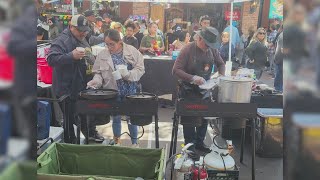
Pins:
<point x="135" y="145"/>
<point x="96" y="137"/>
<point x="202" y="147"/>
<point x="115" y="141"/>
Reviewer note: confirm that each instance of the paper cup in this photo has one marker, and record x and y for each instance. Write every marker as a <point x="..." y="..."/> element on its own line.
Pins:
<point x="122" y="68"/>
<point x="116" y="75"/>
<point x="80" y="49"/>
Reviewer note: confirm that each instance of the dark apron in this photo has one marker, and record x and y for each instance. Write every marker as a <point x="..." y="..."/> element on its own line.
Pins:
<point x="201" y="67"/>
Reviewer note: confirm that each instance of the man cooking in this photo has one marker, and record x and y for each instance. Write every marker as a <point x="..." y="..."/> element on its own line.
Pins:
<point x="70" y="56"/>
<point x="193" y="67"/>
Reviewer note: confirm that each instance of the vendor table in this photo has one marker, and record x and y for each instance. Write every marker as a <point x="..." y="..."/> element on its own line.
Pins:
<point x="158" y="78"/>
<point x="113" y="107"/>
<point x="213" y="109"/>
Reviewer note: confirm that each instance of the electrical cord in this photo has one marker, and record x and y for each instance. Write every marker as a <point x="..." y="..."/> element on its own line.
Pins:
<point x="214" y="142"/>
<point x="224" y="164"/>
<point x="133" y="137"/>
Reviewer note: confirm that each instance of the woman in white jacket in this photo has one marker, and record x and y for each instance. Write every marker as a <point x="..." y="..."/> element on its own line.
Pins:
<point x="118" y="53"/>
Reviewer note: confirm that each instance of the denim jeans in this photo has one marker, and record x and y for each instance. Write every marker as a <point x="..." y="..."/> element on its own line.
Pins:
<point x="133" y="129"/>
<point x="116" y="126"/>
<point x="278" y="80"/>
<point x="194" y="134"/>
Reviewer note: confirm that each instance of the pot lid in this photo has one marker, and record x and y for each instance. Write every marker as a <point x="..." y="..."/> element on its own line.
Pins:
<point x="236" y="79"/>
<point x="214" y="161"/>
<point x="99" y="92"/>
<point x="141" y="96"/>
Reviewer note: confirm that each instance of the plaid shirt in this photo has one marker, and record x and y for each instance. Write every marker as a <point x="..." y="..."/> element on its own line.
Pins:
<point x="270" y="38"/>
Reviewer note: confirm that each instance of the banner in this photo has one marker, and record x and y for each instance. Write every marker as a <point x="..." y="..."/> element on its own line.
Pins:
<point x="276" y="9"/>
<point x="236" y="15"/>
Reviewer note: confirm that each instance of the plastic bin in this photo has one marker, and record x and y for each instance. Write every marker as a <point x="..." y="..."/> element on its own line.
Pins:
<point x="223" y="175"/>
<point x="5" y="127"/>
<point x="44" y="119"/>
<point x="19" y="171"/>
<point x="304" y="143"/>
<point x="6" y="65"/>
<point x="69" y="161"/>
<point x="56" y="133"/>
<point x="269" y="132"/>
<point x="44" y="71"/>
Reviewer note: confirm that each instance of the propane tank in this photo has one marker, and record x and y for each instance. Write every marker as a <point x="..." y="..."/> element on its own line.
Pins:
<point x="183" y="164"/>
<point x="199" y="173"/>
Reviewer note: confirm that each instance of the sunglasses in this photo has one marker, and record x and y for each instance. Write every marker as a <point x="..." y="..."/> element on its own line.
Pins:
<point x="262" y="33"/>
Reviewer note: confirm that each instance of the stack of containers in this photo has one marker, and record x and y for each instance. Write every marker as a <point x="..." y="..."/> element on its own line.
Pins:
<point x="44" y="119"/>
<point x="6" y="66"/>
<point x="44" y="71"/>
<point x="5" y="127"/>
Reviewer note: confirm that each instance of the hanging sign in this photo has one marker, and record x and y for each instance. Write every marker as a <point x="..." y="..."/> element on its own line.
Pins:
<point x="236" y="15"/>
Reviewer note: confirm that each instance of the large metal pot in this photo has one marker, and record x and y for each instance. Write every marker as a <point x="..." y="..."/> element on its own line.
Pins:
<point x="234" y="90"/>
<point x="141" y="120"/>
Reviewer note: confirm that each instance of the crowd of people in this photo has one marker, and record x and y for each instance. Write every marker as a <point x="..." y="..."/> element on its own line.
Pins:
<point x="74" y="70"/>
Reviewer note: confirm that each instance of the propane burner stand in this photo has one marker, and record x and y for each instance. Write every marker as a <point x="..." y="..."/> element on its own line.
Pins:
<point x="113" y="107"/>
<point x="213" y="109"/>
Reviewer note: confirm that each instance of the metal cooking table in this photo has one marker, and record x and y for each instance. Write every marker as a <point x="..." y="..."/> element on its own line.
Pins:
<point x="113" y="107"/>
<point x="214" y="109"/>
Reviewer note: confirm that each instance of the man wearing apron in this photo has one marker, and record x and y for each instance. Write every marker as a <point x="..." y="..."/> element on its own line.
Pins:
<point x="193" y="67"/>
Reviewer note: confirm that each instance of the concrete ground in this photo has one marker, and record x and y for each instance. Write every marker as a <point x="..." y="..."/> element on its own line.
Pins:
<point x="266" y="168"/>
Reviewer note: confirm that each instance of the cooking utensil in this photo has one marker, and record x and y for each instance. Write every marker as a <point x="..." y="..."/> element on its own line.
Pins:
<point x="141" y="120"/>
<point x="99" y="94"/>
<point x="235" y="89"/>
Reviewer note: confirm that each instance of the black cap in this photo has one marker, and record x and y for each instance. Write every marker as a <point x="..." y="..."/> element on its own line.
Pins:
<point x="106" y="15"/>
<point x="88" y="13"/>
<point x="99" y="18"/>
<point x="80" y="22"/>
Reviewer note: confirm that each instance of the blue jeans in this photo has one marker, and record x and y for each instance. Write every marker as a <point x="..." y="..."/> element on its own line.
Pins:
<point x="116" y="127"/>
<point x="278" y="80"/>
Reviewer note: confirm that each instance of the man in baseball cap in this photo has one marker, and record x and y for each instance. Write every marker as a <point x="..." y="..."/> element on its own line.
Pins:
<point x="70" y="56"/>
<point x="79" y="23"/>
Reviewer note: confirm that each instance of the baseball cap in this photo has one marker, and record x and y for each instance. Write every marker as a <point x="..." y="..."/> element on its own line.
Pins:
<point x="99" y="18"/>
<point x="80" y="22"/>
<point x="106" y="15"/>
<point x="88" y="13"/>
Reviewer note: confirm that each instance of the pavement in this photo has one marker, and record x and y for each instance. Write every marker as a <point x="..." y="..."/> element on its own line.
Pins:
<point x="266" y="168"/>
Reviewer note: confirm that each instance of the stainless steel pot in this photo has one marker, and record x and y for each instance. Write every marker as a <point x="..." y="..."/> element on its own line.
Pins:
<point x="234" y="90"/>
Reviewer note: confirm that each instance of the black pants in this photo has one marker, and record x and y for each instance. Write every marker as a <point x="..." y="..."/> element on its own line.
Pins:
<point x="68" y="109"/>
<point x="193" y="134"/>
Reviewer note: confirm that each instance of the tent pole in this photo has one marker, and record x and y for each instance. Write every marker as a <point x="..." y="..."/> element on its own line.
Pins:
<point x="230" y="40"/>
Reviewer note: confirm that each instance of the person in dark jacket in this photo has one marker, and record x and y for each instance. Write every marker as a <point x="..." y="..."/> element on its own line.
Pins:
<point x="193" y="67"/>
<point x="257" y="52"/>
<point x="278" y="59"/>
<point x="22" y="46"/>
<point x="224" y="49"/>
<point x="137" y="33"/>
<point x="70" y="69"/>
<point x="129" y="37"/>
